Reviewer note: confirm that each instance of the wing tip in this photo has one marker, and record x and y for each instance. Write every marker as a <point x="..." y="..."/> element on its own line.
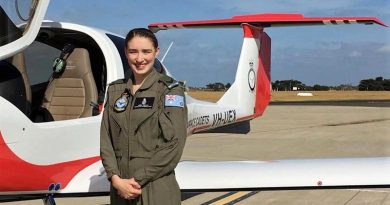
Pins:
<point x="377" y="21"/>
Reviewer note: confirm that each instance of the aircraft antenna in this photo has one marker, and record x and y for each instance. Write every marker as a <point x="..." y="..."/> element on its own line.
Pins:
<point x="169" y="48"/>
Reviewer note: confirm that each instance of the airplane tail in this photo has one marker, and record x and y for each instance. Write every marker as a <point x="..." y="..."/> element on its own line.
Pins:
<point x="250" y="92"/>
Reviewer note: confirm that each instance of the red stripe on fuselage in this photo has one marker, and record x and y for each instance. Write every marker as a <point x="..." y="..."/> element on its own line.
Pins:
<point x="19" y="175"/>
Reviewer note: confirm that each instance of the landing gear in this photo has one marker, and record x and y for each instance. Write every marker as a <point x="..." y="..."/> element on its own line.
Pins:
<point x="49" y="200"/>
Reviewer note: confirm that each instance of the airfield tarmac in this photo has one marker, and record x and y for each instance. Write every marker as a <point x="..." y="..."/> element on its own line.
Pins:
<point x="288" y="132"/>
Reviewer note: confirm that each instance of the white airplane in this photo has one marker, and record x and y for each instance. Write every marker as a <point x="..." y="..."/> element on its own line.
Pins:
<point x="50" y="121"/>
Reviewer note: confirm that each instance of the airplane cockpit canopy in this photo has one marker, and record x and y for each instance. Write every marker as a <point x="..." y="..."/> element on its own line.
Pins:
<point x="14" y="13"/>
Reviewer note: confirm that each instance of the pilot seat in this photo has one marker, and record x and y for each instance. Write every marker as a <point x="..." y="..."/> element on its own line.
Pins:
<point x="70" y="93"/>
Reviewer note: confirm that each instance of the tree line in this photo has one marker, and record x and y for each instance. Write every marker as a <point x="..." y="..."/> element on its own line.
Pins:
<point x="214" y="87"/>
<point x="377" y="84"/>
<point x="296" y="85"/>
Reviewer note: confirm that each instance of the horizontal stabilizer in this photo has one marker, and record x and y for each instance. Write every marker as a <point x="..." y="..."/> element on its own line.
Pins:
<point x="284" y="174"/>
<point x="266" y="20"/>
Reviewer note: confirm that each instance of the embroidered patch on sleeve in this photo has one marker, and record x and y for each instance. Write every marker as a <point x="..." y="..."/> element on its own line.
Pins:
<point x="174" y="101"/>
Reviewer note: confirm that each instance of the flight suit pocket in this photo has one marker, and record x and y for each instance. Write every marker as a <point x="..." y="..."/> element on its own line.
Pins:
<point x="116" y="132"/>
<point x="146" y="132"/>
<point x="138" y="160"/>
<point x="166" y="126"/>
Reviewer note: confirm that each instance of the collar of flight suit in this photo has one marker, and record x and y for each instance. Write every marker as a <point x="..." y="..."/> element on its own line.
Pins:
<point x="148" y="82"/>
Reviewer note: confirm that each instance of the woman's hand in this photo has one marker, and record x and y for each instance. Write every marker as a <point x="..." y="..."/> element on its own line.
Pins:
<point x="127" y="188"/>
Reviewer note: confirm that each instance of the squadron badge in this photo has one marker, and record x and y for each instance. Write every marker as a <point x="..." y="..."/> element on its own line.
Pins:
<point x="122" y="102"/>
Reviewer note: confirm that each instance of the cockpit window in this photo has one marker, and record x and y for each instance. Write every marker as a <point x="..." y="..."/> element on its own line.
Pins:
<point x="120" y="46"/>
<point x="12" y="14"/>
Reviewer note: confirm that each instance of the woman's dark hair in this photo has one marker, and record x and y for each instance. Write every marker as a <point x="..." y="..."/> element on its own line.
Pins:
<point x="142" y="32"/>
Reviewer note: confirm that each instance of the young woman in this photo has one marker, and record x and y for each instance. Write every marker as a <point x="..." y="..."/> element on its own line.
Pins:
<point x="143" y="129"/>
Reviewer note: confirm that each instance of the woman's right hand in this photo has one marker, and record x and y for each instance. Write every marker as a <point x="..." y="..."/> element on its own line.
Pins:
<point x="127" y="188"/>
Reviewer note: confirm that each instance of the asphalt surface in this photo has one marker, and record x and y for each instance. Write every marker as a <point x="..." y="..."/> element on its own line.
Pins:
<point x="288" y="131"/>
<point x="355" y="103"/>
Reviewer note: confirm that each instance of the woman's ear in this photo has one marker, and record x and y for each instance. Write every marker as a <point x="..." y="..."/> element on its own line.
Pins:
<point x="157" y="51"/>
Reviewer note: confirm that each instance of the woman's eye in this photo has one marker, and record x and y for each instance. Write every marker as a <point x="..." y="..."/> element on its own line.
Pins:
<point x="147" y="51"/>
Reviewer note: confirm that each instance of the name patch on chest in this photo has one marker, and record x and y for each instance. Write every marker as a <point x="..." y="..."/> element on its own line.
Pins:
<point x="143" y="103"/>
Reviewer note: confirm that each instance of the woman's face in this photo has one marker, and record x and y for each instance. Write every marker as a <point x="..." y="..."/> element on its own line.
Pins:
<point x="140" y="54"/>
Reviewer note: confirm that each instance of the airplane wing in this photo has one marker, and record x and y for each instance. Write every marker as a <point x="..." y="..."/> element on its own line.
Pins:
<point x="267" y="20"/>
<point x="284" y="174"/>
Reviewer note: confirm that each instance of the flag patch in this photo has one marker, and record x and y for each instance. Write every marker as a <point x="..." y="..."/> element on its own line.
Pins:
<point x="174" y="101"/>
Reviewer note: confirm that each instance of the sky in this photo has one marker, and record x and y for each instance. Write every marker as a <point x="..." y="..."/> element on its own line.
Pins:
<point x="325" y="55"/>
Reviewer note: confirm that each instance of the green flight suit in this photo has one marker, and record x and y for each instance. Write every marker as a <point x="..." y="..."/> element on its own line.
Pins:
<point x="144" y="139"/>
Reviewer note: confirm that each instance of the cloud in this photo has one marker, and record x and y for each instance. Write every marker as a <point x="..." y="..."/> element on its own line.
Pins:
<point x="355" y="54"/>
<point x="384" y="49"/>
<point x="348" y="63"/>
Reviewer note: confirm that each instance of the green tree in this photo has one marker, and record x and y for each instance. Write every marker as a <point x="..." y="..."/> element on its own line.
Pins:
<point x="377" y="84"/>
<point x="317" y="87"/>
<point x="227" y="86"/>
<point x="215" y="86"/>
<point x="386" y="84"/>
<point x="287" y="85"/>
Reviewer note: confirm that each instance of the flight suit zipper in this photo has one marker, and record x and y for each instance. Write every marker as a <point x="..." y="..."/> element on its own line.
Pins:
<point x="130" y="130"/>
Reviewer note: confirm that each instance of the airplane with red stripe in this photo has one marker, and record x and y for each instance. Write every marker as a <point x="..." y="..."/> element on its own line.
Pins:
<point x="49" y="129"/>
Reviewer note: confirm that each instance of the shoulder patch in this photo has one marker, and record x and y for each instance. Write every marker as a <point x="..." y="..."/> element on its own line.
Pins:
<point x="174" y="101"/>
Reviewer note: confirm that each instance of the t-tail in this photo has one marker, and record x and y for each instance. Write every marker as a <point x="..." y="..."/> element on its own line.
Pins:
<point x="250" y="91"/>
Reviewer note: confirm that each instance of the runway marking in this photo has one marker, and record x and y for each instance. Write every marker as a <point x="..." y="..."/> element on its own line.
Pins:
<point x="218" y="198"/>
<point x="370" y="190"/>
<point x="242" y="198"/>
<point x="230" y="198"/>
<point x="358" y="122"/>
<point x="352" y="198"/>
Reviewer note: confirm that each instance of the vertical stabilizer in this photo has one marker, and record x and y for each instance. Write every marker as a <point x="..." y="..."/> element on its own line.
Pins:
<point x="250" y="91"/>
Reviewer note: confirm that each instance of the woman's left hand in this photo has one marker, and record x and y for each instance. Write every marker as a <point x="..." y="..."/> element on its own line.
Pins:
<point x="127" y="188"/>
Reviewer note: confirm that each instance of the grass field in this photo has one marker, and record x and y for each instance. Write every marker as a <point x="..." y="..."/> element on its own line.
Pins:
<point x="285" y="96"/>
